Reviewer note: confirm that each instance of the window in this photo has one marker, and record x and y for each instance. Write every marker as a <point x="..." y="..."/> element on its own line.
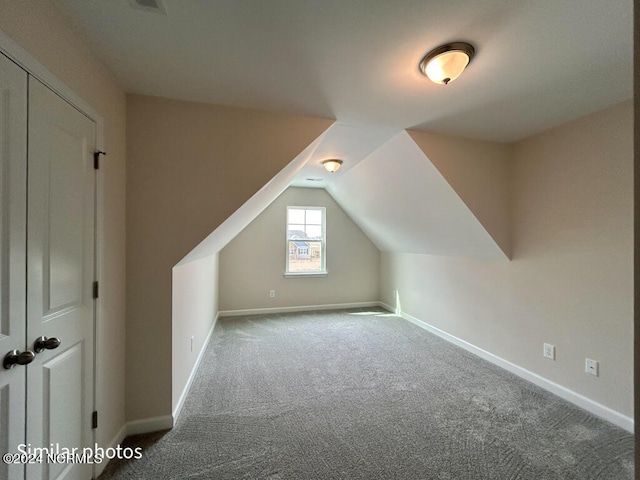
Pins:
<point x="306" y="241"/>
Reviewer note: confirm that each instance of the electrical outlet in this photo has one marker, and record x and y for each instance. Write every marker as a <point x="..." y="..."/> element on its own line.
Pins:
<point x="192" y="337"/>
<point x="591" y="366"/>
<point x="549" y="351"/>
<point x="272" y="294"/>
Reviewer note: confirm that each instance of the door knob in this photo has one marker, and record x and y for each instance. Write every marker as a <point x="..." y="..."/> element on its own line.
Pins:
<point x="15" y="357"/>
<point x="44" y="343"/>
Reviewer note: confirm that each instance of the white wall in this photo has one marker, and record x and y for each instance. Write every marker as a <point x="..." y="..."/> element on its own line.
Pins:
<point x="195" y="307"/>
<point x="570" y="279"/>
<point x="254" y="262"/>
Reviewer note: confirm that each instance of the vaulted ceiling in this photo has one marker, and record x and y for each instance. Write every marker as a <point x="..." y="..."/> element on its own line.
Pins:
<point x="538" y="64"/>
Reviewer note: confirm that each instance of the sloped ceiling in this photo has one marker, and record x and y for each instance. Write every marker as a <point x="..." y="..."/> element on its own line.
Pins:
<point x="538" y="64"/>
<point x="403" y="204"/>
<point x="393" y="192"/>
<point x="244" y="215"/>
<point x="478" y="173"/>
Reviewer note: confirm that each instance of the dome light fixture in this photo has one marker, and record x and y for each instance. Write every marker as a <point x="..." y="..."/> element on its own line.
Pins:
<point x="332" y="165"/>
<point x="444" y="64"/>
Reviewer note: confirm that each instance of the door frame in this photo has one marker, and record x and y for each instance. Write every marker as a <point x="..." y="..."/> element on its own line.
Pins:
<point x="33" y="67"/>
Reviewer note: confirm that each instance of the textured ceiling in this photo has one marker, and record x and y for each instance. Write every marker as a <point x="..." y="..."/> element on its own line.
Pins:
<point x="538" y="64"/>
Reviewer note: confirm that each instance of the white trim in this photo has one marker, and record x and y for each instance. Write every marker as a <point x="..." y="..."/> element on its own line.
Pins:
<point x="196" y="365"/>
<point x="323" y="242"/>
<point x="163" y="422"/>
<point x="581" y="401"/>
<point x="115" y="441"/>
<point x="301" y="308"/>
<point x="23" y="58"/>
<point x="387" y="307"/>
<point x="148" y="425"/>
<point x="26" y="61"/>
<point x="307" y="275"/>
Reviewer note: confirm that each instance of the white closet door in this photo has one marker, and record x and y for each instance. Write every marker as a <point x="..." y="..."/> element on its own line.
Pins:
<point x="60" y="275"/>
<point x="13" y="183"/>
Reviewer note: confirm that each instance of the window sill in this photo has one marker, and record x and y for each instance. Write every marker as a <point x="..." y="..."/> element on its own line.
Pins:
<point x="307" y="275"/>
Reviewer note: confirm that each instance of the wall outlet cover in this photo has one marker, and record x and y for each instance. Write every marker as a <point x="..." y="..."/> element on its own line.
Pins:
<point x="549" y="351"/>
<point x="591" y="366"/>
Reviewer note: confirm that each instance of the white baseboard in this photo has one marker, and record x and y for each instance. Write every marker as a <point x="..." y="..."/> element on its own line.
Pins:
<point x="115" y="441"/>
<point x="387" y="307"/>
<point x="119" y="437"/>
<point x="163" y="422"/>
<point x="148" y="425"/>
<point x="581" y="401"/>
<point x="187" y="387"/>
<point x="168" y="421"/>
<point x="301" y="308"/>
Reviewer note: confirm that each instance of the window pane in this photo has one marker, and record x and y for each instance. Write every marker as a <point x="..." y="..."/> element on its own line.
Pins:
<point x="295" y="215"/>
<point x="296" y="231"/>
<point x="305" y="256"/>
<point x="314" y="231"/>
<point x="305" y="243"/>
<point x="314" y="216"/>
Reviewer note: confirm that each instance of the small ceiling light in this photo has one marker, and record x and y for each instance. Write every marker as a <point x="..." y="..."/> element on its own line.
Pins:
<point x="444" y="64"/>
<point x="332" y="165"/>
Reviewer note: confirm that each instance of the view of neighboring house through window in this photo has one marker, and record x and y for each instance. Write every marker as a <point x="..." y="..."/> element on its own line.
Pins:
<point x="306" y="240"/>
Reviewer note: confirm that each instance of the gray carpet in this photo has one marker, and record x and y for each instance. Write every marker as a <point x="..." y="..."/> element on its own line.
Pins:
<point x="356" y="395"/>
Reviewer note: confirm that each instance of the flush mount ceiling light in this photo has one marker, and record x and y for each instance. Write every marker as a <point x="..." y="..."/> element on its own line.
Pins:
<point x="444" y="64"/>
<point x="332" y="165"/>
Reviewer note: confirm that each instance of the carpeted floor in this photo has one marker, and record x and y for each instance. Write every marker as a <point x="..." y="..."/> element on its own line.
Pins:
<point x="366" y="395"/>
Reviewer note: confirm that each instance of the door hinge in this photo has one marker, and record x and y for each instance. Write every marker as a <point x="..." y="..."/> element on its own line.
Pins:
<point x="96" y="159"/>
<point x="94" y="420"/>
<point x="95" y="290"/>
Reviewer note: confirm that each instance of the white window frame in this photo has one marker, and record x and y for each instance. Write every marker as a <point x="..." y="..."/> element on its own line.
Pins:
<point x="323" y="244"/>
